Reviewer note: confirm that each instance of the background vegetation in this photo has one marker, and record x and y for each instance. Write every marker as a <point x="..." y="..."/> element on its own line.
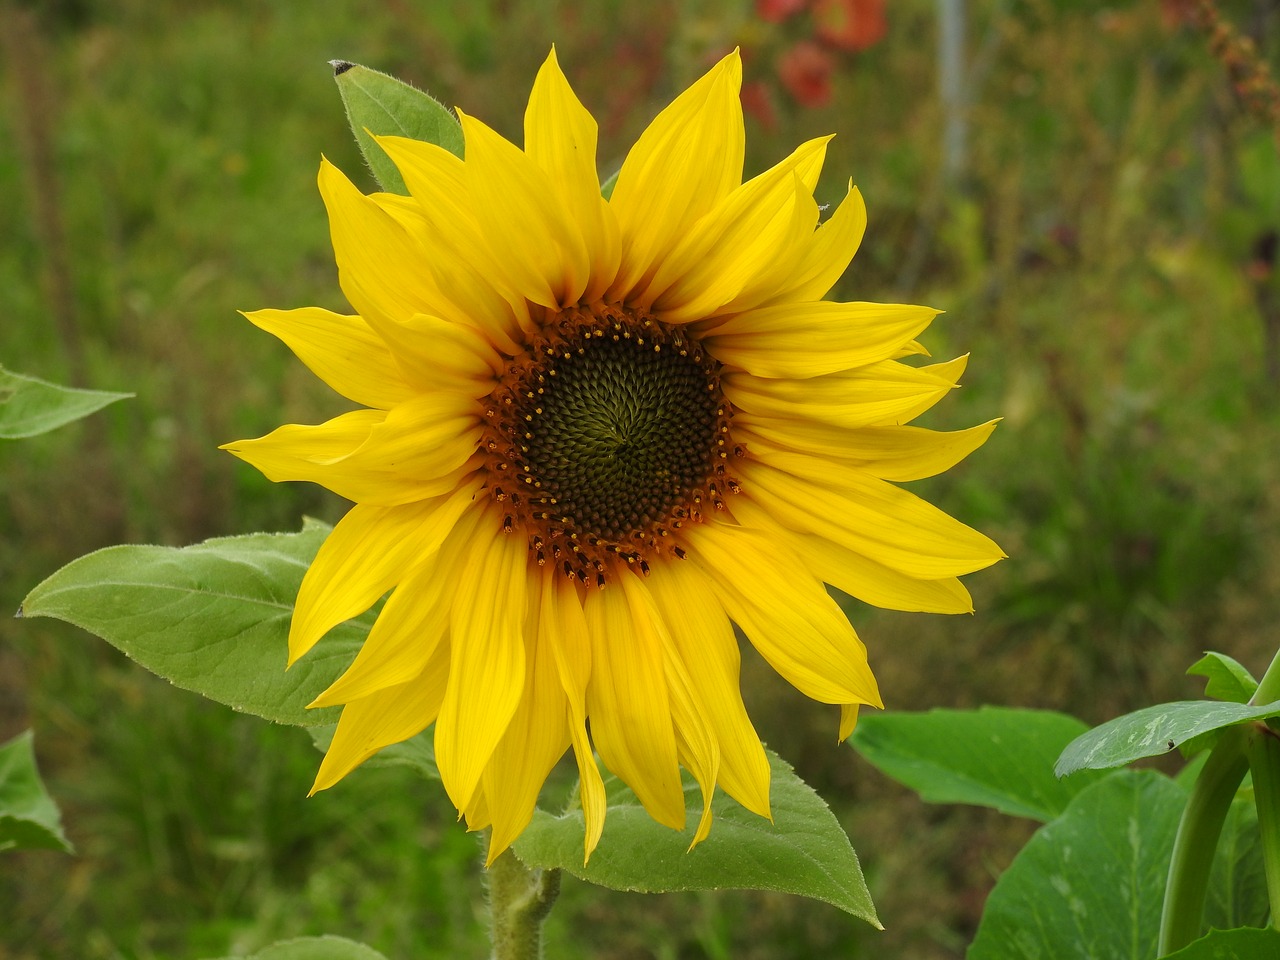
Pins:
<point x="1102" y="251"/>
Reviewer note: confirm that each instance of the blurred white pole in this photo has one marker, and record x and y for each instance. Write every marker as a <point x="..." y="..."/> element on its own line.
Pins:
<point x="953" y="90"/>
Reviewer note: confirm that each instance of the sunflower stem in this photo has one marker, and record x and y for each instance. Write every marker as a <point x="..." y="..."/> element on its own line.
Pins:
<point x="1263" y="751"/>
<point x="1197" y="839"/>
<point x="519" y="901"/>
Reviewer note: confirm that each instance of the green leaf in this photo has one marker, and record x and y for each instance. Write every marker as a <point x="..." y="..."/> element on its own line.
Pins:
<point x="30" y="407"/>
<point x="1152" y="731"/>
<point x="1237" y="894"/>
<point x="213" y="618"/>
<point x="1232" y="945"/>
<point x="29" y="819"/>
<point x="992" y="757"/>
<point x="382" y="105"/>
<point x="1090" y="883"/>
<point x="418" y="752"/>
<point x="314" y="948"/>
<point x="1227" y="679"/>
<point x="804" y="850"/>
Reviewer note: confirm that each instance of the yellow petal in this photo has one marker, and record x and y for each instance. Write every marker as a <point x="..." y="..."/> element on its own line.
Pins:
<point x="410" y="626"/>
<point x="811" y="339"/>
<point x="893" y="453"/>
<point x="560" y="137"/>
<point x="565" y="624"/>
<point x="869" y="517"/>
<point x="683" y="164"/>
<point x="298" y="452"/>
<point x="785" y="613"/>
<point x="413" y="453"/>
<point x="855" y="574"/>
<point x="486" y="672"/>
<point x="541" y="249"/>
<point x="948" y="373"/>
<point x="369" y="551"/>
<point x="881" y="393"/>
<point x="451" y="235"/>
<point x="629" y="707"/>
<point x="389" y="716"/>
<point x="848" y="719"/>
<point x="696" y="745"/>
<point x="342" y="351"/>
<point x="383" y="271"/>
<point x="878" y="585"/>
<point x="444" y="355"/>
<point x="826" y="254"/>
<point x="535" y="739"/>
<point x="734" y="242"/>
<point x="772" y="273"/>
<point x="703" y="638"/>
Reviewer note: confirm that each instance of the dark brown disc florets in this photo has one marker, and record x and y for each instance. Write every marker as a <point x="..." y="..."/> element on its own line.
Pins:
<point x="607" y="437"/>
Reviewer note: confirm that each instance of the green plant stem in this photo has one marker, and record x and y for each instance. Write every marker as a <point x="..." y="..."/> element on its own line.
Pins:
<point x="1263" y="751"/>
<point x="519" y="900"/>
<point x="1269" y="686"/>
<point x="1197" y="838"/>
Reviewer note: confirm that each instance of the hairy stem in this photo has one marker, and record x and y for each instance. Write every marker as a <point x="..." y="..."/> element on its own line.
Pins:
<point x="519" y="901"/>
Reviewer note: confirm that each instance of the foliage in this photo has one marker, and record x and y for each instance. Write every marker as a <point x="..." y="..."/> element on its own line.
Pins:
<point x="29" y="818"/>
<point x="30" y="407"/>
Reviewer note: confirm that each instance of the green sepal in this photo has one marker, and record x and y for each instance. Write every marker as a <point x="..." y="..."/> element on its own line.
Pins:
<point x="30" y="407"/>
<point x="606" y="188"/>
<point x="803" y="851"/>
<point x="29" y="819"/>
<point x="381" y="105"/>
<point x="991" y="757"/>
<point x="212" y="618"/>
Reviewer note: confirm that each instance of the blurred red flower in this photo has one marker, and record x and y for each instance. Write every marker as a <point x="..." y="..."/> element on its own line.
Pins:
<point x="775" y="11"/>
<point x="805" y="70"/>
<point x="850" y="24"/>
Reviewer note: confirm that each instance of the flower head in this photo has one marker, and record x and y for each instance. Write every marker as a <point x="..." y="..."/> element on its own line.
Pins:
<point x="595" y="435"/>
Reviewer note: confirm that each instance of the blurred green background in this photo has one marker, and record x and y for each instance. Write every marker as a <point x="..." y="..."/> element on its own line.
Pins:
<point x="1105" y="248"/>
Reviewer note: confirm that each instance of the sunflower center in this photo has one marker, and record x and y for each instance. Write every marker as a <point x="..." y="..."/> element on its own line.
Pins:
<point x="606" y="438"/>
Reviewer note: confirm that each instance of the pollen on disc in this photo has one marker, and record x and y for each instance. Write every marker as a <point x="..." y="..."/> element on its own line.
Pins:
<point x="605" y="438"/>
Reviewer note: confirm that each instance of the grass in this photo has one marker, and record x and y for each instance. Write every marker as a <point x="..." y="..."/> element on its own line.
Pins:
<point x="1093" y="260"/>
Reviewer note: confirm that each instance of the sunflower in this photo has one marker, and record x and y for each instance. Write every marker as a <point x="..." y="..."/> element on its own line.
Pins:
<point x="596" y="434"/>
